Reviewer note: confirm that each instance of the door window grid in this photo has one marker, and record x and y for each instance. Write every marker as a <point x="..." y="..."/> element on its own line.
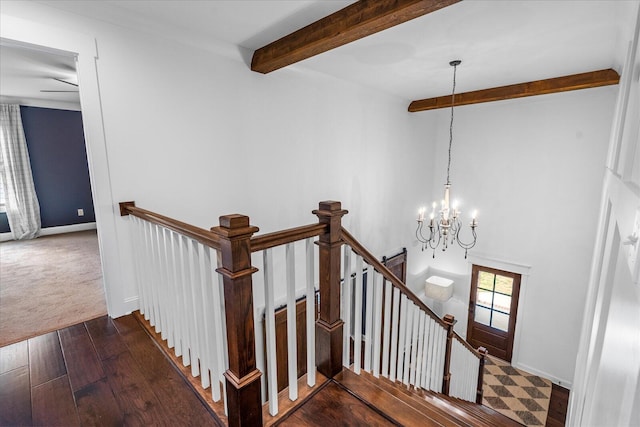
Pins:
<point x="487" y="311"/>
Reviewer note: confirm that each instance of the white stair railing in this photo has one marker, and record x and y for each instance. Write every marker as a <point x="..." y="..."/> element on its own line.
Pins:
<point x="287" y="276"/>
<point x="394" y="334"/>
<point x="180" y="296"/>
<point x="390" y="335"/>
<point x="464" y="372"/>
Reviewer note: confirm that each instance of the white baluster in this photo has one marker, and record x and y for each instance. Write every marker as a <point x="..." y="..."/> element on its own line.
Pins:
<point x="206" y="366"/>
<point x="407" y="342"/>
<point x="431" y="344"/>
<point x="414" y="345"/>
<point x="219" y="320"/>
<point x="149" y="273"/>
<point x="377" y="324"/>
<point x="401" y="336"/>
<point x="368" y="326"/>
<point x="185" y="316"/>
<point x="174" y="291"/>
<point x="175" y="262"/>
<point x="165" y="303"/>
<point x="223" y="354"/>
<point x="393" y="360"/>
<point x="139" y="251"/>
<point x="419" y="344"/>
<point x="270" y="328"/>
<point x="347" y="302"/>
<point x="357" y="316"/>
<point x="386" y="348"/>
<point x="187" y="277"/>
<point x="157" y="285"/>
<point x="311" y="314"/>
<point x="291" y="322"/>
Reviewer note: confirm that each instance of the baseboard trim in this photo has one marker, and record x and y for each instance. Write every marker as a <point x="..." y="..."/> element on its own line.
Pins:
<point x="55" y="230"/>
<point x="558" y="381"/>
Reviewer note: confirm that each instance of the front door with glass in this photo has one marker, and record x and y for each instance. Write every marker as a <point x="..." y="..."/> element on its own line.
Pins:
<point x="493" y="304"/>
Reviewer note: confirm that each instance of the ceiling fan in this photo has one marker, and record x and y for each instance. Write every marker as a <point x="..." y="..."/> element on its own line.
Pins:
<point x="62" y="81"/>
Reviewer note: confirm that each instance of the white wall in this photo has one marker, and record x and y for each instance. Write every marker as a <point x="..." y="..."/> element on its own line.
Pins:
<point x="195" y="134"/>
<point x="533" y="169"/>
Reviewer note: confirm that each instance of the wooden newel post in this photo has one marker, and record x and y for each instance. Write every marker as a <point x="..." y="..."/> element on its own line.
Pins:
<point x="483" y="356"/>
<point x="446" y="378"/>
<point x="329" y="325"/>
<point x="243" y="379"/>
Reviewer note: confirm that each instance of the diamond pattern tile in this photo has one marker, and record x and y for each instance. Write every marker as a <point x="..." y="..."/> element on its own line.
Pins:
<point x="515" y="393"/>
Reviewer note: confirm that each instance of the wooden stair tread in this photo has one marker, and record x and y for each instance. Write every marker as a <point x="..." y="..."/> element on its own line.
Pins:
<point x="394" y="403"/>
<point x="420" y="401"/>
<point x="449" y="410"/>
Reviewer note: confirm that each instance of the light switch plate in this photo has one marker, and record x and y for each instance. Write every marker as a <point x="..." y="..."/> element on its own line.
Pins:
<point x="80" y="212"/>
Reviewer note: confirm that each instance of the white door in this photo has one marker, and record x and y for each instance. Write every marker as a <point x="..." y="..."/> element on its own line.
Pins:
<point x="606" y="387"/>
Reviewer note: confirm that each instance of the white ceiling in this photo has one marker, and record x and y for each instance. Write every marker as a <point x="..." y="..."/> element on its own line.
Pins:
<point x="500" y="42"/>
<point x="25" y="72"/>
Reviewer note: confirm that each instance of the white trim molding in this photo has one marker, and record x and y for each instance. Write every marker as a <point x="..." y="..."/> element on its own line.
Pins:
<point x="499" y="264"/>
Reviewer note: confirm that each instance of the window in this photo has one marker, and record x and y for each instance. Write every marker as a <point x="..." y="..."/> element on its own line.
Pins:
<point x="493" y="298"/>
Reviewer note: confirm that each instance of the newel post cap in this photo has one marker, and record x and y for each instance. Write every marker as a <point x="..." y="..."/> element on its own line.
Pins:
<point x="234" y="225"/>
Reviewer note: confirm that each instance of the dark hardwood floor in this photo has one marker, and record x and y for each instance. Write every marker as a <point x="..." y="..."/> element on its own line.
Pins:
<point x="108" y="372"/>
<point x="558" y="405"/>
<point x="102" y="372"/>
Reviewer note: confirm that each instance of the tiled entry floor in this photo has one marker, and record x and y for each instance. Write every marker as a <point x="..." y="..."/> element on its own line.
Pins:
<point x="517" y="394"/>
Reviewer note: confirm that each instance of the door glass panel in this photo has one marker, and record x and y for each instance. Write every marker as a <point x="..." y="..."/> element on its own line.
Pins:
<point x="504" y="285"/>
<point x="486" y="280"/>
<point x="502" y="303"/>
<point x="483" y="315"/>
<point x="500" y="321"/>
<point x="484" y="298"/>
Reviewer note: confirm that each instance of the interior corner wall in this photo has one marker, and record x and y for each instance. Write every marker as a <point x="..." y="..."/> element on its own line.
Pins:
<point x="58" y="158"/>
<point x="533" y="168"/>
<point x="194" y="135"/>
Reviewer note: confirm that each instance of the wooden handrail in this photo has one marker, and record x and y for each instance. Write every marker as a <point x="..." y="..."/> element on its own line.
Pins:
<point x="387" y="274"/>
<point x="206" y="237"/>
<point x="270" y="240"/>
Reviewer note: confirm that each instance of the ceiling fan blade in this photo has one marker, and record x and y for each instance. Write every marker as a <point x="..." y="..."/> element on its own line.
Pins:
<point x="64" y="81"/>
<point x="72" y="91"/>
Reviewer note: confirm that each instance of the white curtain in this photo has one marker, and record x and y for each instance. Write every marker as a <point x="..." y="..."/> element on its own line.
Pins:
<point x="23" y="209"/>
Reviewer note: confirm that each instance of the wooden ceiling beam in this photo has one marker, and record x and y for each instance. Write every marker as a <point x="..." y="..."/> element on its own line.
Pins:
<point x="538" y="87"/>
<point x="356" y="21"/>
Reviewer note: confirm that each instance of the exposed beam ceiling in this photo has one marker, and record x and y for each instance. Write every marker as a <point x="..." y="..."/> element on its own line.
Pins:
<point x="538" y="87"/>
<point x="354" y="22"/>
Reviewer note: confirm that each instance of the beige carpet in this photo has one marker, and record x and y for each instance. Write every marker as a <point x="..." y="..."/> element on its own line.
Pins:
<point x="519" y="395"/>
<point x="49" y="283"/>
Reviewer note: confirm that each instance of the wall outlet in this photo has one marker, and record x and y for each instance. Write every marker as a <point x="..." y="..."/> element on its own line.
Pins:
<point x="80" y="212"/>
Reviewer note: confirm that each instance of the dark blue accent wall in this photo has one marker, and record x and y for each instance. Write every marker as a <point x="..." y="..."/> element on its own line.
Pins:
<point x="55" y="140"/>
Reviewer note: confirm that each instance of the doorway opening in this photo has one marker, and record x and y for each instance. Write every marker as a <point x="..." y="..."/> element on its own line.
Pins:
<point x="53" y="281"/>
<point x="493" y="306"/>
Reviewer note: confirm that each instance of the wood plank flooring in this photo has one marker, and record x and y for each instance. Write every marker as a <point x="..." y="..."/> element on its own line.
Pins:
<point x="106" y="372"/>
<point x="101" y="372"/>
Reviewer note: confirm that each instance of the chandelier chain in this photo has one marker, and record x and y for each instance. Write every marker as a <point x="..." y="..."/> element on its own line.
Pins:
<point x="453" y="94"/>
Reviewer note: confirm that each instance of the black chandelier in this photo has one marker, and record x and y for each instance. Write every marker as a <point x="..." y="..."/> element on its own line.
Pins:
<point x="446" y="229"/>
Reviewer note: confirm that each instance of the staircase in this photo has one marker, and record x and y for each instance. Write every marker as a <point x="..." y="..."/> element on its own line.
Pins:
<point x="356" y="336"/>
<point x="411" y="407"/>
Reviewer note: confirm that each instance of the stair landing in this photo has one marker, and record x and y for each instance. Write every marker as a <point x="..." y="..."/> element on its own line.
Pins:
<point x="350" y="399"/>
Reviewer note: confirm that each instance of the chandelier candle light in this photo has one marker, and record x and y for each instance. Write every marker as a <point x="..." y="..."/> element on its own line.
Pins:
<point x="446" y="229"/>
